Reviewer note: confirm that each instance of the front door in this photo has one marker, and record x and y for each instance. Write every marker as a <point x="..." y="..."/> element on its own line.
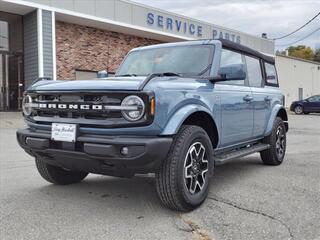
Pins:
<point x="236" y="114"/>
<point x="11" y="81"/>
<point x="236" y="103"/>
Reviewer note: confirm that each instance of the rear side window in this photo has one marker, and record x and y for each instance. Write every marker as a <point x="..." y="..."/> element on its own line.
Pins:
<point x="271" y="74"/>
<point x="231" y="59"/>
<point x="254" y="71"/>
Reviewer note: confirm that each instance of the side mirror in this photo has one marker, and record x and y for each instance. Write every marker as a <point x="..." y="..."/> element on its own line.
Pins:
<point x="103" y="74"/>
<point x="232" y="72"/>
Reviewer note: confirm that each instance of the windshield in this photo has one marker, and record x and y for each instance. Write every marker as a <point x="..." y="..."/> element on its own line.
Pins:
<point x="184" y="60"/>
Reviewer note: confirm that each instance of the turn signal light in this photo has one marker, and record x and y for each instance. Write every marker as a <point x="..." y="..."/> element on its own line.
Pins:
<point x="152" y="106"/>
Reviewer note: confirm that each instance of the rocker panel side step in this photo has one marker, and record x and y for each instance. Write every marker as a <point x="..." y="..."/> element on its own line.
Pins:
<point x="228" y="156"/>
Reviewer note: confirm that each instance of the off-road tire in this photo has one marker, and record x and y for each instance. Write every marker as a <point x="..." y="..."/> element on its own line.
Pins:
<point x="270" y="156"/>
<point x="170" y="179"/>
<point x="57" y="175"/>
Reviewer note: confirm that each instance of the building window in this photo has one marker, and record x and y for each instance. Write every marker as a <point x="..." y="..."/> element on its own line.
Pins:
<point x="86" y="75"/>
<point x="4" y="36"/>
<point x="11" y="38"/>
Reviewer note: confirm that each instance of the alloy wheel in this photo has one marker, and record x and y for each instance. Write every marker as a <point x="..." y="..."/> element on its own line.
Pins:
<point x="298" y="110"/>
<point x="195" y="168"/>
<point x="280" y="142"/>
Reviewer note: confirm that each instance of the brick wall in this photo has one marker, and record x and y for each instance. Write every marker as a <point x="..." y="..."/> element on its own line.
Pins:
<point x="85" y="48"/>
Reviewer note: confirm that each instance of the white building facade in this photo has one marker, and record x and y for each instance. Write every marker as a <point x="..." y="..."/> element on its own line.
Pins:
<point x="298" y="79"/>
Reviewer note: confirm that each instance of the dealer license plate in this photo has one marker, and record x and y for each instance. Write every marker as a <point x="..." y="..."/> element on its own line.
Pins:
<point x="64" y="132"/>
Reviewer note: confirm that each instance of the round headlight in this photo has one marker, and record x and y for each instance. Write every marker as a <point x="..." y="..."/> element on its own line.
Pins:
<point x="133" y="108"/>
<point x="27" y="105"/>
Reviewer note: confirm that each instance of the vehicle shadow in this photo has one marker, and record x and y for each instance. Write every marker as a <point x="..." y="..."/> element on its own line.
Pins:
<point x="140" y="191"/>
<point x="235" y="171"/>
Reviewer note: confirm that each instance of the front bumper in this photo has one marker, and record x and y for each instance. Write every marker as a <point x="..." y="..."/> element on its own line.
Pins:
<point x="98" y="153"/>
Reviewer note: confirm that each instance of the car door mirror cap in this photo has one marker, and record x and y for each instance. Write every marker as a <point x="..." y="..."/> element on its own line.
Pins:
<point x="271" y="77"/>
<point x="223" y="77"/>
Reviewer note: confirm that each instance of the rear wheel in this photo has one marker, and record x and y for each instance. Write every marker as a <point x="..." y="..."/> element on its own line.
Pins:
<point x="184" y="177"/>
<point x="57" y="175"/>
<point x="277" y="141"/>
<point x="298" y="109"/>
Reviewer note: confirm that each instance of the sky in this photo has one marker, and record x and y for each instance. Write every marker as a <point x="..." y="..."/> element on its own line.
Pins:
<point x="274" y="17"/>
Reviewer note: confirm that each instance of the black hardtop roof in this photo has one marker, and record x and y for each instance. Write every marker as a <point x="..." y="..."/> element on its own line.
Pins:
<point x="246" y="50"/>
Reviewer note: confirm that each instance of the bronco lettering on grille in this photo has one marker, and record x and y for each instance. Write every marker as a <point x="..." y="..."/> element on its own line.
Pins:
<point x="71" y="106"/>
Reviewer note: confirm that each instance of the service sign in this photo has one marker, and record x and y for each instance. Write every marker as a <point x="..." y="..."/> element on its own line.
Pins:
<point x="188" y="28"/>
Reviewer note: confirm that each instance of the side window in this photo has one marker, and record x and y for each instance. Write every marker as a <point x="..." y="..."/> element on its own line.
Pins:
<point x="314" y="99"/>
<point x="231" y="59"/>
<point x="271" y="74"/>
<point x="254" y="72"/>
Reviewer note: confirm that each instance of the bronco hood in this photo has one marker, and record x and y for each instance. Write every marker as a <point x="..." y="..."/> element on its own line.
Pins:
<point x="112" y="83"/>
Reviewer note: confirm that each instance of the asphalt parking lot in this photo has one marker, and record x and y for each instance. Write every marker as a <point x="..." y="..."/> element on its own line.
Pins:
<point x="247" y="199"/>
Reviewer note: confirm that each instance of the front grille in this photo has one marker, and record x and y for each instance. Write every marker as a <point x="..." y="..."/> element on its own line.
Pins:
<point x="85" y="99"/>
<point x="108" y="116"/>
<point x="74" y="114"/>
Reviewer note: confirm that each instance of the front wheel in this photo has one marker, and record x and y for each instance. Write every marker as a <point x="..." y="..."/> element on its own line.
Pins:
<point x="184" y="177"/>
<point x="57" y="175"/>
<point x="277" y="141"/>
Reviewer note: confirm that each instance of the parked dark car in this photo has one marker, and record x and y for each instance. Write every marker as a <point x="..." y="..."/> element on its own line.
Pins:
<point x="306" y="106"/>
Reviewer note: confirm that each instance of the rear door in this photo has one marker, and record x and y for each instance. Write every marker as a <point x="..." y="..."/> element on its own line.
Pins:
<point x="261" y="98"/>
<point x="236" y="104"/>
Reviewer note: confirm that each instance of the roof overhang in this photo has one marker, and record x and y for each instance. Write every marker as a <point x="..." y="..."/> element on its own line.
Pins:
<point x="23" y="7"/>
<point x="19" y="9"/>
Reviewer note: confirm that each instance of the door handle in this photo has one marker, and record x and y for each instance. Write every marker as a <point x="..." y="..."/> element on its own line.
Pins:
<point x="267" y="99"/>
<point x="247" y="98"/>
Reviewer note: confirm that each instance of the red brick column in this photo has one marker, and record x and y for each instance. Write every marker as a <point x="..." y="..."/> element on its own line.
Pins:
<point x="86" y="48"/>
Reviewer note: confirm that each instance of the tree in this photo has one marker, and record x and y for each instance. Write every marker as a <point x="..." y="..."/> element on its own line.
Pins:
<point x="316" y="57"/>
<point x="293" y="49"/>
<point x="301" y="51"/>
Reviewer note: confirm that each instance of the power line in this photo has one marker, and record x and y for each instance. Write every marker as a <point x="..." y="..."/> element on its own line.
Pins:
<point x="282" y="45"/>
<point x="298" y="28"/>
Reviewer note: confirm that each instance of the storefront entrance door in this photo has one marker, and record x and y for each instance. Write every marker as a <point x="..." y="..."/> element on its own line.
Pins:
<point x="11" y="81"/>
<point x="11" y="61"/>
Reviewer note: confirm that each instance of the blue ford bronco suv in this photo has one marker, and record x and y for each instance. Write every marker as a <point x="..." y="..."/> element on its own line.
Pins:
<point x="176" y="110"/>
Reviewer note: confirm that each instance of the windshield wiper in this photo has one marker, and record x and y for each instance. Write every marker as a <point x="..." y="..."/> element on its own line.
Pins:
<point x="153" y="75"/>
<point x="168" y="74"/>
<point x="127" y="75"/>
